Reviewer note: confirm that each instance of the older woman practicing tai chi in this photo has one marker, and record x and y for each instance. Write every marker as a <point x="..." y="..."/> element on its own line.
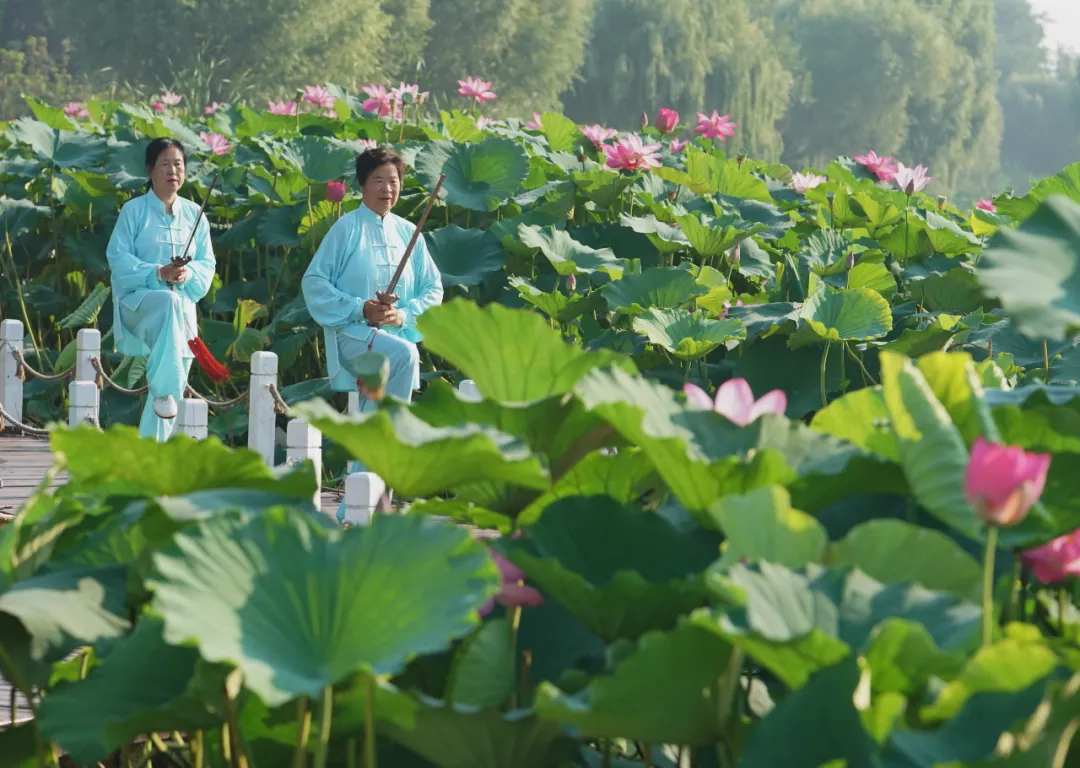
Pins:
<point x="357" y="259"/>
<point x="153" y="299"/>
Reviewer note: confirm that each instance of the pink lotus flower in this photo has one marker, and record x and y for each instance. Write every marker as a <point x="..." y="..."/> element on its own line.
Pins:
<point x="598" y="134"/>
<point x="318" y="96"/>
<point x="804" y="181"/>
<point x="378" y="101"/>
<point x="483" y="123"/>
<point x="911" y="180"/>
<point x="210" y="109"/>
<point x="335" y="191"/>
<point x="678" y="145"/>
<point x="170" y="99"/>
<point x="157" y="106"/>
<point x="1003" y="482"/>
<point x="403" y="90"/>
<point x="886" y="173"/>
<point x="1056" y="560"/>
<point x="512" y="594"/>
<point x="282" y="107"/>
<point x="727" y="306"/>
<point x="632" y="154"/>
<point x="882" y="167"/>
<point x="75" y="109"/>
<point x="666" y="120"/>
<point x="735" y="401"/>
<point x="537" y="123"/>
<point x="986" y="204"/>
<point x="218" y="144"/>
<point x="715" y="127"/>
<point x="476" y="89"/>
<point x="367" y="143"/>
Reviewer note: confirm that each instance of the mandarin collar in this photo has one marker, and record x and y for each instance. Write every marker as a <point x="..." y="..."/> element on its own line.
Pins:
<point x="368" y="215"/>
<point x="157" y="204"/>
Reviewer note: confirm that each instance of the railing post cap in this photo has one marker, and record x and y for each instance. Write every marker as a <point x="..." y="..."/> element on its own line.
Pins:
<point x="11" y="330"/>
<point x="300" y="434"/>
<point x="194" y="406"/>
<point x="88" y="338"/>
<point x="264" y="363"/>
<point x="365" y="487"/>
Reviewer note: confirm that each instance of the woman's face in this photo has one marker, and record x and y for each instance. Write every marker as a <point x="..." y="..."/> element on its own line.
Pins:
<point x="381" y="189"/>
<point x="167" y="175"/>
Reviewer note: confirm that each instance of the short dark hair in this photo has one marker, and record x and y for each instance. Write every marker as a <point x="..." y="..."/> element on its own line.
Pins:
<point x="376" y="157"/>
<point x="157" y="146"/>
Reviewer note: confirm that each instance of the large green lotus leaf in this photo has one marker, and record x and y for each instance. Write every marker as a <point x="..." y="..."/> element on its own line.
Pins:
<point x="763" y="320"/>
<point x="656" y="288"/>
<point x="556" y="305"/>
<point x="465" y="256"/>
<point x="861" y="418"/>
<point x="903" y="658"/>
<point x="797" y="622"/>
<point x="768" y="364"/>
<point x="872" y="275"/>
<point x="1010" y="665"/>
<point x="417" y="459"/>
<point x="1066" y="184"/>
<point x="687" y="335"/>
<point x="601" y="186"/>
<point x="143" y="685"/>
<point x="67" y="149"/>
<point x="924" y="234"/>
<point x="482" y="674"/>
<point x="1037" y="417"/>
<point x="815" y="726"/>
<point x="513" y="355"/>
<point x="878" y="210"/>
<point x="713" y="236"/>
<point x="298" y="607"/>
<point x="664" y="235"/>
<point x="665" y="691"/>
<point x="458" y="736"/>
<point x="480" y="177"/>
<point x="567" y="255"/>
<point x="1033" y="271"/>
<point x="317" y="158"/>
<point x="762" y="525"/>
<point x="842" y="315"/>
<point x="932" y="451"/>
<point x="624" y="477"/>
<point x="713" y="174"/>
<point x="619" y="570"/>
<point x="896" y="552"/>
<point x="19" y="216"/>
<point x="933" y="337"/>
<point x="956" y="291"/>
<point x="562" y="133"/>
<point x="119" y="459"/>
<point x="45" y="617"/>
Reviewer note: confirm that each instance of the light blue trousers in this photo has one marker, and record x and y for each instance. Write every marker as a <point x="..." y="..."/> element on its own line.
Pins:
<point x="404" y="375"/>
<point x="158" y="322"/>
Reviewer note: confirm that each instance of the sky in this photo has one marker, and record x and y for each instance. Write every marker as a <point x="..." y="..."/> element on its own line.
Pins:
<point x="1062" y="22"/>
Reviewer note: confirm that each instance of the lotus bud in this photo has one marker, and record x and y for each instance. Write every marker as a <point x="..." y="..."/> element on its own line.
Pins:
<point x="335" y="191"/>
<point x="742" y="157"/>
<point x="735" y="254"/>
<point x="571" y="282"/>
<point x="942" y="201"/>
<point x="644" y="121"/>
<point x="849" y="261"/>
<point x="581" y="154"/>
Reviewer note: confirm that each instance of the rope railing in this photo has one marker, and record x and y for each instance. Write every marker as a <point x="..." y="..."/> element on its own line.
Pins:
<point x="362" y="491"/>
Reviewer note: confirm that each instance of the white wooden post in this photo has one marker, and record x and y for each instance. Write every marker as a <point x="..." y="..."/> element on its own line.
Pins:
<point x="192" y="418"/>
<point x="84" y="401"/>
<point x="87" y="346"/>
<point x="303" y="441"/>
<point x="261" y="405"/>
<point x="362" y="493"/>
<point x="11" y="386"/>
<point x="469" y="391"/>
<point x="354" y="404"/>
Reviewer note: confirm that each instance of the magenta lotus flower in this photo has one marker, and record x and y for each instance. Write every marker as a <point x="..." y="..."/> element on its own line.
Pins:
<point x="75" y="109"/>
<point x="210" y="109"/>
<point x="804" y="181"/>
<point x="335" y="191"/>
<point x="911" y="180"/>
<point x="512" y="594"/>
<point x="716" y="126"/>
<point x="1003" y="482"/>
<point x="170" y="99"/>
<point x="886" y="172"/>
<point x="379" y="101"/>
<point x="476" y="89"/>
<point x="678" y="145"/>
<point x="598" y="134"/>
<point x="723" y="312"/>
<point x="1056" y="560"/>
<point x="318" y="96"/>
<point x="282" y="107"/>
<point x="218" y="144"/>
<point x="666" y="120"/>
<point x="735" y="401"/>
<point x="882" y="167"/>
<point x="986" y="204"/>
<point x="537" y="123"/>
<point x="632" y="154"/>
<point x="157" y="106"/>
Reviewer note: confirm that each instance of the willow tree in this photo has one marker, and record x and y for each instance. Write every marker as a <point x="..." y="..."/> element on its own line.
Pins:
<point x="686" y="55"/>
<point x="530" y="49"/>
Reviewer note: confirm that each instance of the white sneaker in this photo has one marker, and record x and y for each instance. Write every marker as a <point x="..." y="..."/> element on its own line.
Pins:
<point x="165" y="407"/>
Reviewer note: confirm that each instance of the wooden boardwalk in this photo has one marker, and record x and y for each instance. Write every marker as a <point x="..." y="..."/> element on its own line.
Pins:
<point x="24" y="461"/>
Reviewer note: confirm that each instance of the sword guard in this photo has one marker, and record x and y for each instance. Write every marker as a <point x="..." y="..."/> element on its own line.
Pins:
<point x="386" y="299"/>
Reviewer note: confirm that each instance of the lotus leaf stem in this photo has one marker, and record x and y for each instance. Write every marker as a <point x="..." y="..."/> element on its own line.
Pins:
<point x="326" y="717"/>
<point x="1046" y="361"/>
<point x="303" y="732"/>
<point x="824" y="361"/>
<point x="198" y="747"/>
<point x="843" y="370"/>
<point x="370" y="758"/>
<point x="862" y="367"/>
<point x="988" y="586"/>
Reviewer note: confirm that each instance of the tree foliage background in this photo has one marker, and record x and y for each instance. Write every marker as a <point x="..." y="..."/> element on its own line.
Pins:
<point x="962" y="86"/>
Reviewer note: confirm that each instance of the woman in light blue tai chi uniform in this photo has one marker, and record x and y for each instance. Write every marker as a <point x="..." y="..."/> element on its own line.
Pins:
<point x="154" y="301"/>
<point x="358" y="257"/>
